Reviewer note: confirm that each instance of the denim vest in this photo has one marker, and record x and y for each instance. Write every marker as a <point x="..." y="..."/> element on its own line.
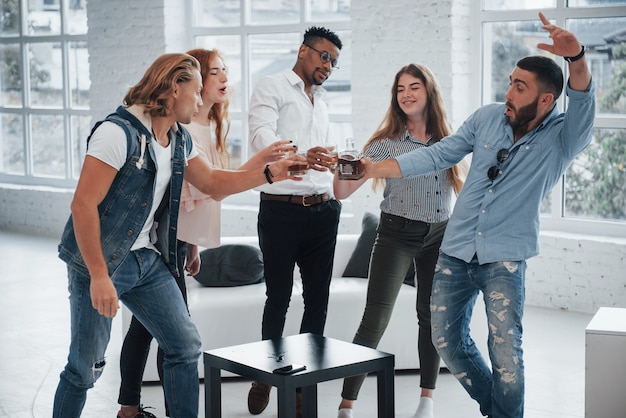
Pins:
<point x="127" y="204"/>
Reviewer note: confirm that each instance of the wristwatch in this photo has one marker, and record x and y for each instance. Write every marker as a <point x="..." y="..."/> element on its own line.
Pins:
<point x="577" y="57"/>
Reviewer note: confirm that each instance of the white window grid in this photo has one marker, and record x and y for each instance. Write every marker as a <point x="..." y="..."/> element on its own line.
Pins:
<point x="26" y="111"/>
<point x="245" y="30"/>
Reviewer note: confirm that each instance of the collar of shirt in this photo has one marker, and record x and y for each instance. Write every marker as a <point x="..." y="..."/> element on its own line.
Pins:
<point x="295" y="80"/>
<point x="407" y="135"/>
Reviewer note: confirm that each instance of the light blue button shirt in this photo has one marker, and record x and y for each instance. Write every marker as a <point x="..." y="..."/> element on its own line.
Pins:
<point x="499" y="221"/>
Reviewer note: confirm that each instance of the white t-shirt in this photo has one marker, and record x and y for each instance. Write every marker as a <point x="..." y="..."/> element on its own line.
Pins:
<point x="108" y="144"/>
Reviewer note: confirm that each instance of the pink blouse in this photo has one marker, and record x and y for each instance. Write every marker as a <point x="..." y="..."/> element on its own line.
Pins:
<point x="199" y="218"/>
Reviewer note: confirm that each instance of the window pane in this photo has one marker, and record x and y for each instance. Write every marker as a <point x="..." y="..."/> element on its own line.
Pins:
<point x="505" y="44"/>
<point x="10" y="75"/>
<point x="271" y="54"/>
<point x="583" y="3"/>
<point x="12" y="144"/>
<point x="339" y="98"/>
<point x="331" y="10"/>
<point x="48" y="145"/>
<point x="77" y="17"/>
<point x="606" y="56"/>
<point x="44" y="17"/>
<point x="229" y="48"/>
<point x="46" y="75"/>
<point x="270" y="12"/>
<point x="81" y="127"/>
<point x="79" y="74"/>
<point x="9" y="17"/>
<point x="217" y="13"/>
<point x="518" y="4"/>
<point x="595" y="181"/>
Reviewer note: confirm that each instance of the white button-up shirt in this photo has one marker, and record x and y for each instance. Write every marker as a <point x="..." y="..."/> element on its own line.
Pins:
<point x="279" y="107"/>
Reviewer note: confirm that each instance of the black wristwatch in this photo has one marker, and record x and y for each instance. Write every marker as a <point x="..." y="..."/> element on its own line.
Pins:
<point x="577" y="57"/>
<point x="268" y="174"/>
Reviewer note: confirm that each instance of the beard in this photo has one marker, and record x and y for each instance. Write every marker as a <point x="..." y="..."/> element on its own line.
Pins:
<point x="523" y="116"/>
<point x="316" y="79"/>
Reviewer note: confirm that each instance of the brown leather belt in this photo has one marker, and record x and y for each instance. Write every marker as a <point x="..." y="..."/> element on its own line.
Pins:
<point x="307" y="200"/>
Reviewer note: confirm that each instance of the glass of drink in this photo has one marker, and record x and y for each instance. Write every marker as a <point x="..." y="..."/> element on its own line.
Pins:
<point x="349" y="162"/>
<point x="299" y="168"/>
<point x="333" y="151"/>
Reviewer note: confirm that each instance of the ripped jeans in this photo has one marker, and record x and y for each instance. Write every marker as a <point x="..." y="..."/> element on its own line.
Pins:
<point x="145" y="285"/>
<point x="499" y="390"/>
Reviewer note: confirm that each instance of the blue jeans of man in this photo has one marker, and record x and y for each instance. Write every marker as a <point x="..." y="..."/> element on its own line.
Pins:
<point x="145" y="285"/>
<point x="499" y="390"/>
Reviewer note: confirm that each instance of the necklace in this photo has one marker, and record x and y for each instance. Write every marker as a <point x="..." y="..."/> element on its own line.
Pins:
<point x="162" y="143"/>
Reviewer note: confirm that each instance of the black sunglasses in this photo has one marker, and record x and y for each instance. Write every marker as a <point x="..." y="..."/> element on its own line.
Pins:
<point x="501" y="157"/>
<point x="326" y="57"/>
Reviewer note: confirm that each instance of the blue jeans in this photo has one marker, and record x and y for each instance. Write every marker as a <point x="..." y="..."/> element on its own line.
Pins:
<point x="499" y="390"/>
<point x="145" y="285"/>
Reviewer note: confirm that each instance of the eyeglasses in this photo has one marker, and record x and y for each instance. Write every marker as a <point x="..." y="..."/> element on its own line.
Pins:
<point x="501" y="157"/>
<point x="326" y="57"/>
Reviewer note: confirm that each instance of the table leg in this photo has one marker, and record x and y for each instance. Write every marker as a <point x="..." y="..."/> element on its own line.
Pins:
<point x="309" y="401"/>
<point x="212" y="392"/>
<point x="286" y="401"/>
<point x="385" y="384"/>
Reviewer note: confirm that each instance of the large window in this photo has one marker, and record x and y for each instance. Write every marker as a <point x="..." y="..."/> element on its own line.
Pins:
<point x="261" y="37"/>
<point x="591" y="197"/>
<point x="44" y="90"/>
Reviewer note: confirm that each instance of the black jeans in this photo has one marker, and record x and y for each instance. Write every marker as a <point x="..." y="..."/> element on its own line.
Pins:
<point x="136" y="347"/>
<point x="291" y="234"/>
<point x="400" y="242"/>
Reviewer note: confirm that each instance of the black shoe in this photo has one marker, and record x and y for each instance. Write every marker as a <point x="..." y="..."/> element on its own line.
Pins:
<point x="258" y="397"/>
<point x="140" y="414"/>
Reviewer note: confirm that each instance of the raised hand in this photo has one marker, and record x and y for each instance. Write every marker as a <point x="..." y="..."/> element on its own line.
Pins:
<point x="564" y="43"/>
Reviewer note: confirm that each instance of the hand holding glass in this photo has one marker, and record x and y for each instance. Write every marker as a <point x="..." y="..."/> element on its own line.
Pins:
<point x="333" y="151"/>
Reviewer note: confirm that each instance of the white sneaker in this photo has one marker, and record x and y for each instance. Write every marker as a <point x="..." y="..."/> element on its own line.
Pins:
<point x="344" y="413"/>
<point x="425" y="408"/>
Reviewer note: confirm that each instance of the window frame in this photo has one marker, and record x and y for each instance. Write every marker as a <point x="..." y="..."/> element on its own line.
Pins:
<point x="556" y="220"/>
<point x="244" y="31"/>
<point x="26" y="111"/>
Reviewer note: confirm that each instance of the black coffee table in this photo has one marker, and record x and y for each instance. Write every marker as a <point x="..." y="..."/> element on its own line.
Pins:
<point x="325" y="359"/>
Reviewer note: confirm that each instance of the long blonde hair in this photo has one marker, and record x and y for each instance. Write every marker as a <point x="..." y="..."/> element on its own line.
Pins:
<point x="157" y="85"/>
<point x="393" y="125"/>
<point x="218" y="114"/>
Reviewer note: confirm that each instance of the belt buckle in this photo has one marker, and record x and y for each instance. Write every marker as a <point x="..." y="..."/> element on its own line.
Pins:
<point x="304" y="201"/>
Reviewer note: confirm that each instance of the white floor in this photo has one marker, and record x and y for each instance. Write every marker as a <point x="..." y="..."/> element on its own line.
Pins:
<point x="34" y="326"/>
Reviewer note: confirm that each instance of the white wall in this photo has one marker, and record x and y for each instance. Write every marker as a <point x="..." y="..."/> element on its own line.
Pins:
<point x="573" y="272"/>
<point x="578" y="273"/>
<point x="124" y="39"/>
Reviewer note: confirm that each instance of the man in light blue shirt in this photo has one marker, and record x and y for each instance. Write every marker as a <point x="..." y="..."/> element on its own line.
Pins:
<point x="520" y="150"/>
